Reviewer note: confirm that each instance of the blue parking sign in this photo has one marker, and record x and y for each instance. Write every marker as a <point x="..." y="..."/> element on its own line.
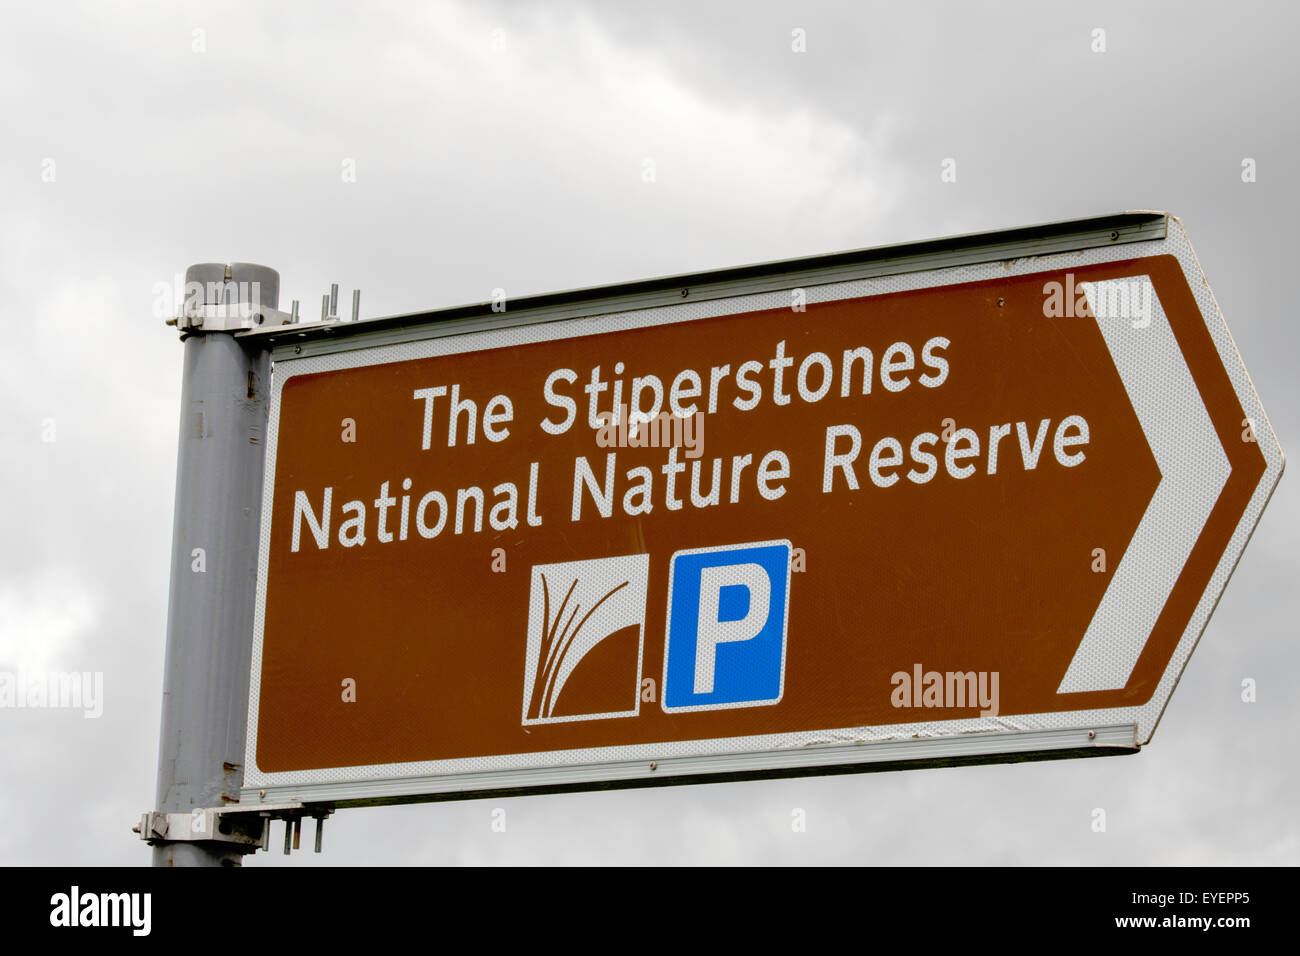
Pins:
<point x="727" y="615"/>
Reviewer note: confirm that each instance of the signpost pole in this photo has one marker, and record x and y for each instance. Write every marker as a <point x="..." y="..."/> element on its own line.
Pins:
<point x="214" y="564"/>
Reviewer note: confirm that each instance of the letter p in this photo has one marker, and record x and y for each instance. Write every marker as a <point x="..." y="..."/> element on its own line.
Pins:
<point x="713" y="630"/>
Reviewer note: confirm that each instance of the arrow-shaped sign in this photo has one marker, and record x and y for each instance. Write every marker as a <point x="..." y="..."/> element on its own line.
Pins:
<point x="982" y="493"/>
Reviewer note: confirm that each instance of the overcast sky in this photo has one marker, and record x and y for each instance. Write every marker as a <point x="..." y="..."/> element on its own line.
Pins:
<point x="502" y="145"/>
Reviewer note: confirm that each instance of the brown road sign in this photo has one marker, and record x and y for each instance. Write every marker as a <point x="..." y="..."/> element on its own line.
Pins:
<point x="965" y="501"/>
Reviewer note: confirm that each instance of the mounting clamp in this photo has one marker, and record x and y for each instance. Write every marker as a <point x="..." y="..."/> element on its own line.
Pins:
<point x="243" y="826"/>
<point x="227" y="297"/>
<point x="228" y="317"/>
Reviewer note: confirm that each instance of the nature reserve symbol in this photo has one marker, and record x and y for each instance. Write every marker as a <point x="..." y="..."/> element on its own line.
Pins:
<point x="589" y="613"/>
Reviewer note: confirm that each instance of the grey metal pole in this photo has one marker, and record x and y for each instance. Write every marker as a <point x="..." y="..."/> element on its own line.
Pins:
<point x="224" y="407"/>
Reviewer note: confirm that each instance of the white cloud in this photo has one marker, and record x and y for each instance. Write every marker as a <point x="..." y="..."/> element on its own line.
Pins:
<point x="43" y="624"/>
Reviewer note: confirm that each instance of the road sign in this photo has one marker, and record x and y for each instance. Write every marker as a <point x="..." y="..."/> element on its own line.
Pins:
<point x="966" y="500"/>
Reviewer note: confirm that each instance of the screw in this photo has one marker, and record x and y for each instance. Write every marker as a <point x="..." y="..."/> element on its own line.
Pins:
<point x="297" y="349"/>
<point x="685" y="293"/>
<point x="1091" y="734"/>
<point x="1114" y="236"/>
<point x="653" y="765"/>
<point x="261" y="793"/>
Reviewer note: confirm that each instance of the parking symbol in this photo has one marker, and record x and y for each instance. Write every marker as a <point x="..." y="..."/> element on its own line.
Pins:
<point x="728" y="609"/>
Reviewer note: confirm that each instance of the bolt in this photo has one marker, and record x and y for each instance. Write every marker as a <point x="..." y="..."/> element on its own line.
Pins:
<point x="685" y="293"/>
<point x="1091" y="734"/>
<point x="261" y="793"/>
<point x="1114" y="236"/>
<point x="653" y="765"/>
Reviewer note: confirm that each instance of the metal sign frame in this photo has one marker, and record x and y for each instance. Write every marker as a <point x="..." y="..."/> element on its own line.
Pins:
<point x="304" y="349"/>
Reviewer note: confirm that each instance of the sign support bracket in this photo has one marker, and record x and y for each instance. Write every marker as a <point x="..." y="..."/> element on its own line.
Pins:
<point x="244" y="829"/>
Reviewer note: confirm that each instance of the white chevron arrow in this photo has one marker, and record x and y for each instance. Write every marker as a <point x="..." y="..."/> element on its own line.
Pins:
<point x="1193" y="471"/>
